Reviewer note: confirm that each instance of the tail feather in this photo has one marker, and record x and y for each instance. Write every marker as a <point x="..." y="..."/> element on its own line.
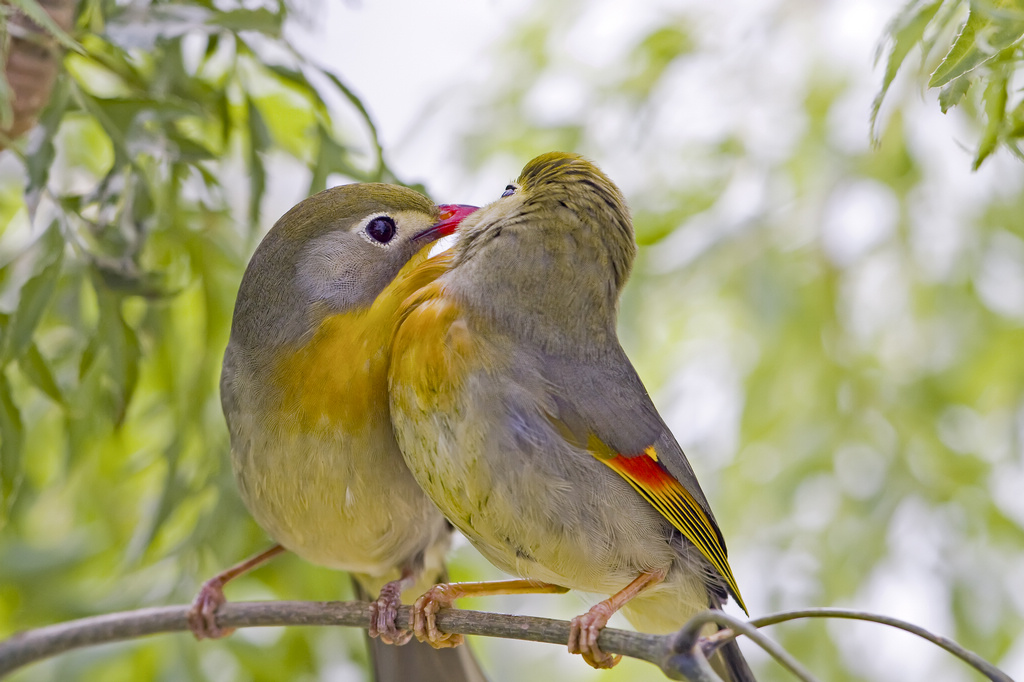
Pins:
<point x="419" y="662"/>
<point x="728" y="662"/>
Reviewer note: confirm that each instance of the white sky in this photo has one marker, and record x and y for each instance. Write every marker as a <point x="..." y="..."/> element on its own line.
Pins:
<point x="407" y="60"/>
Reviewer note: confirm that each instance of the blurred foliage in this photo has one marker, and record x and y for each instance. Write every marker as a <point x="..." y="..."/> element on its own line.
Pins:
<point x="128" y="216"/>
<point x="833" y="331"/>
<point x="973" y="51"/>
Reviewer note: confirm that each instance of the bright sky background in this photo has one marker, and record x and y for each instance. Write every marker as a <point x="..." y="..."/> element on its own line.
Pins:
<point x="413" y="63"/>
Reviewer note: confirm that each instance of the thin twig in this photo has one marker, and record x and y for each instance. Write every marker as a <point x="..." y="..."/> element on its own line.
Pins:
<point x="993" y="673"/>
<point x="736" y="625"/>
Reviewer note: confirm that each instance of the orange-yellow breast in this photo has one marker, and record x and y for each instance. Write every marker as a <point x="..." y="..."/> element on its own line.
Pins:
<point x="438" y="358"/>
<point x="338" y="379"/>
<point x="433" y="350"/>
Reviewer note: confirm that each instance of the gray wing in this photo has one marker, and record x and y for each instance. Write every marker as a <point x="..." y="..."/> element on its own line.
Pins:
<point x="606" y="398"/>
<point x="601" y="405"/>
<point x="228" y="403"/>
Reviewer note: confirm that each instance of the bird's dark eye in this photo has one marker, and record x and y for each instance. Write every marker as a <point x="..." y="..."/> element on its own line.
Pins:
<point x="509" y="191"/>
<point x="381" y="229"/>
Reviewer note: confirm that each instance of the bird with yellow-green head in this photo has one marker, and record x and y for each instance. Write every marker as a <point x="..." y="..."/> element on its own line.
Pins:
<point x="521" y="417"/>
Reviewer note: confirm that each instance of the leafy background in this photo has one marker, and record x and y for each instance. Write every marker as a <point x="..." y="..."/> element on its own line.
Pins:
<point x="833" y="327"/>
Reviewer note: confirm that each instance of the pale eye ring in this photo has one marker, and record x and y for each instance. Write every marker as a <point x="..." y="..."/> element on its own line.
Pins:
<point x="381" y="229"/>
<point x="509" y="191"/>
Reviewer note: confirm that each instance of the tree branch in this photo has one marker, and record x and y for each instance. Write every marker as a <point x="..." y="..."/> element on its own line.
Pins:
<point x="680" y="656"/>
<point x="34" y="645"/>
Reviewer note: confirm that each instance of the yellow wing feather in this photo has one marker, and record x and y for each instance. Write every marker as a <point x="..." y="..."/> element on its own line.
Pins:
<point x="676" y="504"/>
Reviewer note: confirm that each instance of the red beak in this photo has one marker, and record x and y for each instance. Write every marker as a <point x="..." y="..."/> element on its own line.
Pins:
<point x="451" y="216"/>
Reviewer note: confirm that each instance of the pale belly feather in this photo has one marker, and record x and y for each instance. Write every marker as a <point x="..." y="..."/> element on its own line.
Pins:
<point x="335" y="499"/>
<point x="540" y="513"/>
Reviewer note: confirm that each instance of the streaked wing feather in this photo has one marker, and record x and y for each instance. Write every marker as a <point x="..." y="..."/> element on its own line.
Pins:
<point x="604" y="407"/>
<point x="676" y="504"/>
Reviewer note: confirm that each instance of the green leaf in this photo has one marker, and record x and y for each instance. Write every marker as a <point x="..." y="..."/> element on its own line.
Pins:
<point x="364" y="112"/>
<point x="209" y="178"/>
<point x="109" y="366"/>
<point x="90" y="401"/>
<point x="35" y="296"/>
<point x="259" y="141"/>
<point x="12" y="443"/>
<point x="122" y="111"/>
<point x="190" y="151"/>
<point x="262" y="20"/>
<point x="87" y="362"/>
<point x="36" y="13"/>
<point x="962" y="56"/>
<point x="41" y="152"/>
<point x="259" y="133"/>
<point x="952" y="93"/>
<point x="995" y="111"/>
<point x="141" y="210"/>
<point x="322" y="167"/>
<point x="129" y="369"/>
<point x="333" y="158"/>
<point x="984" y="35"/>
<point x="221" y="108"/>
<point x="1017" y="121"/>
<point x="126" y="74"/>
<point x="120" y="340"/>
<point x="6" y="97"/>
<point x="38" y="371"/>
<point x="906" y="32"/>
<point x="122" y="155"/>
<point x="295" y="77"/>
<point x="171" y="495"/>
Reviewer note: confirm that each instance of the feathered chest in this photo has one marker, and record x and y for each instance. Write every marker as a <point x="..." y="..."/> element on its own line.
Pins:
<point x="337" y="380"/>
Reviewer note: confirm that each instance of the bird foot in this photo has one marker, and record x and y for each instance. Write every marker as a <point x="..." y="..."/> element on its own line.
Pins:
<point x="383" y="613"/>
<point x="424" y="617"/>
<point x="202" y="617"/>
<point x="583" y="633"/>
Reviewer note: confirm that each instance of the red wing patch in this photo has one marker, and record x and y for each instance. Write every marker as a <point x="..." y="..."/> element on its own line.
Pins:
<point x="675" y="503"/>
